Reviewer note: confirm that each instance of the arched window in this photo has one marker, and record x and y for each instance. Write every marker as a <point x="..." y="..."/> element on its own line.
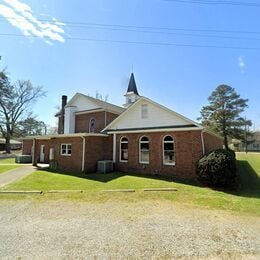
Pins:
<point x="144" y="150"/>
<point x="124" y="149"/>
<point x="168" y="151"/>
<point x="91" y="125"/>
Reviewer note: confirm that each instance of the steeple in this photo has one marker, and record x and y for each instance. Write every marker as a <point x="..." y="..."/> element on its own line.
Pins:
<point x="132" y="93"/>
<point x="132" y="85"/>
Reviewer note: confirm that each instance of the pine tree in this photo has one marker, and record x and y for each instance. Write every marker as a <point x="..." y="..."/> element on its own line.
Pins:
<point x="223" y="114"/>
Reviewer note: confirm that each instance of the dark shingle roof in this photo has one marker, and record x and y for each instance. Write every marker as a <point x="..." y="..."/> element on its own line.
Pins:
<point x="132" y="85"/>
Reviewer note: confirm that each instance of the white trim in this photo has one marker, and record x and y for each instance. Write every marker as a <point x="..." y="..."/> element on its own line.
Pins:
<point x="90" y="111"/>
<point x="66" y="154"/>
<point x="156" y="130"/>
<point x="83" y="153"/>
<point x="120" y="160"/>
<point x="114" y="148"/>
<point x="173" y="142"/>
<point x="142" y="162"/>
<point x="48" y="137"/>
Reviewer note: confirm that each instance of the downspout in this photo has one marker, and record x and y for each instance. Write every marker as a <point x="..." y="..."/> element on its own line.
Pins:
<point x="114" y="148"/>
<point x="105" y="118"/>
<point x="202" y="142"/>
<point x="83" y="153"/>
<point x="33" y="153"/>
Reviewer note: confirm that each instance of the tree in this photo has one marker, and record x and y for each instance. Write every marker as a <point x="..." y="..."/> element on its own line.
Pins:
<point x="31" y="126"/>
<point x="223" y="113"/>
<point x="15" y="102"/>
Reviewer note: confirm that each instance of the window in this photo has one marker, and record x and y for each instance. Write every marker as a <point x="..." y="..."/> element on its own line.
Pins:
<point x="144" y="111"/>
<point x="144" y="150"/>
<point x="65" y="149"/>
<point x="92" y="125"/>
<point x="168" y="151"/>
<point x="124" y="149"/>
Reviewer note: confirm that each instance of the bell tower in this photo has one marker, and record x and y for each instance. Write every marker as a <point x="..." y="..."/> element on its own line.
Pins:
<point x="132" y="94"/>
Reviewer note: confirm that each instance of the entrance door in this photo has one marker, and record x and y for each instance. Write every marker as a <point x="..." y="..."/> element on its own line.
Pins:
<point x="42" y="151"/>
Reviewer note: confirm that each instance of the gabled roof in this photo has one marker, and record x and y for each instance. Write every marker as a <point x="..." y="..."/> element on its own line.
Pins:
<point x="132" y="85"/>
<point x="188" y="122"/>
<point x="99" y="103"/>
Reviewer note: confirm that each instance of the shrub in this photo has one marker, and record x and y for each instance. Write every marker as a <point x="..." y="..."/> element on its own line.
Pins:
<point x="218" y="168"/>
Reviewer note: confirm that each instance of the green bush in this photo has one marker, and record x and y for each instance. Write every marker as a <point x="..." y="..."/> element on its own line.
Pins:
<point x="217" y="169"/>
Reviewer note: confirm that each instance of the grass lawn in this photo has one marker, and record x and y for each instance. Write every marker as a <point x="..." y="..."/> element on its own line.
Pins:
<point x="4" y="164"/>
<point x="7" y="161"/>
<point x="245" y="200"/>
<point x="5" y="168"/>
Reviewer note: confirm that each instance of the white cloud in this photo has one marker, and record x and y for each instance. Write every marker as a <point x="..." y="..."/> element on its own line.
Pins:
<point x="241" y="64"/>
<point x="21" y="16"/>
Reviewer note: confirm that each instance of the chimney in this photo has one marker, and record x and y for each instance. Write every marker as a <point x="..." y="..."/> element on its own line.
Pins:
<point x="62" y="118"/>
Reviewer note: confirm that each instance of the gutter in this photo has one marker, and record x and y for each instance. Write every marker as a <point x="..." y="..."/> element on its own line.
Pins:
<point x="114" y="147"/>
<point x="83" y="153"/>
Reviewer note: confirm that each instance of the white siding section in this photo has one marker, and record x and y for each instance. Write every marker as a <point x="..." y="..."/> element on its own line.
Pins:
<point x="69" y="124"/>
<point x="157" y="117"/>
<point x="83" y="103"/>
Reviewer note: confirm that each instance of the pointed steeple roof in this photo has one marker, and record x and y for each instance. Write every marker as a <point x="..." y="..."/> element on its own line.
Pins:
<point x="132" y="86"/>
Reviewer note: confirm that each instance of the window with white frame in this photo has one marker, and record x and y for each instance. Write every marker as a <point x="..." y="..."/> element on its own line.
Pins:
<point x="65" y="149"/>
<point x="144" y="111"/>
<point x="168" y="151"/>
<point x="144" y="150"/>
<point x="124" y="149"/>
<point x="92" y="125"/>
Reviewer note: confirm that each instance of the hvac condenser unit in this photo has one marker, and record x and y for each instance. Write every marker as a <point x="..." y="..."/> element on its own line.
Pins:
<point x="105" y="166"/>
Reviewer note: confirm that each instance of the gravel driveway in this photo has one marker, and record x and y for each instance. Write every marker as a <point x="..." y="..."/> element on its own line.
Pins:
<point x="62" y="229"/>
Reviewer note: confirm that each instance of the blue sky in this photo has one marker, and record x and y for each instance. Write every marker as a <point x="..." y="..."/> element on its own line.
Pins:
<point x="179" y="77"/>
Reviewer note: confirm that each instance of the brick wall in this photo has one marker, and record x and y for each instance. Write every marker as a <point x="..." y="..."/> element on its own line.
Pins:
<point x="98" y="148"/>
<point x="70" y="163"/>
<point x="188" y="149"/>
<point x="212" y="142"/>
<point x="27" y="147"/>
<point x="102" y="119"/>
<point x="38" y="144"/>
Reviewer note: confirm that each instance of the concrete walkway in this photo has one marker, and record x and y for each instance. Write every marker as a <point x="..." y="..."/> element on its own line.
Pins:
<point x="16" y="174"/>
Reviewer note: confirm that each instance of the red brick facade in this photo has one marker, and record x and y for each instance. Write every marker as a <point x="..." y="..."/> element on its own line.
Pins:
<point x="188" y="149"/>
<point x="96" y="148"/>
<point x="212" y="142"/>
<point x="27" y="147"/>
<point x="102" y="119"/>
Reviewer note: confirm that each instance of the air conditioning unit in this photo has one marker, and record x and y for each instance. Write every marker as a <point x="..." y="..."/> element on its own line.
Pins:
<point x="105" y="166"/>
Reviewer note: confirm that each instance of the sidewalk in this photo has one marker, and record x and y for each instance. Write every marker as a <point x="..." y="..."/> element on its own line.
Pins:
<point x="16" y="174"/>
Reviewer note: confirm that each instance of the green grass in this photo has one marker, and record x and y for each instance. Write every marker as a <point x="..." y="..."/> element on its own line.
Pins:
<point x="7" y="161"/>
<point x="5" y="168"/>
<point x="4" y="164"/>
<point x="245" y="200"/>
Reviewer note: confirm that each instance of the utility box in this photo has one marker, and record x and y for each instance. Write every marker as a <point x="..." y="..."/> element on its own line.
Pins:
<point x="105" y="166"/>
<point x="23" y="159"/>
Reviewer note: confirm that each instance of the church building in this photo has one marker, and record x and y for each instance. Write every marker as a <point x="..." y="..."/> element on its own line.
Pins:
<point x="141" y="137"/>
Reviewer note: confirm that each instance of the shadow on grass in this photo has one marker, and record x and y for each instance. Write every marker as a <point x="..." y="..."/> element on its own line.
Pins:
<point x="107" y="177"/>
<point x="249" y="181"/>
